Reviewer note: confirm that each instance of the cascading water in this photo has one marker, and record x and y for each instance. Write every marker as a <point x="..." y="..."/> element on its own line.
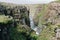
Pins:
<point x="33" y="27"/>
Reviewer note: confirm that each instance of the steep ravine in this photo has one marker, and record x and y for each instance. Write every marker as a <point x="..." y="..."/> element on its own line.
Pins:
<point x="34" y="27"/>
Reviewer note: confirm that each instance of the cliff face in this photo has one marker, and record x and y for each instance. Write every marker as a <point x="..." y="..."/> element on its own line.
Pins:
<point x="51" y="21"/>
<point x="37" y="13"/>
<point x="52" y="13"/>
<point x="20" y="16"/>
<point x="17" y="12"/>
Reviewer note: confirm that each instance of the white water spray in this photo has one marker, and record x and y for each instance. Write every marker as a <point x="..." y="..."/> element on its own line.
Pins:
<point x="33" y="27"/>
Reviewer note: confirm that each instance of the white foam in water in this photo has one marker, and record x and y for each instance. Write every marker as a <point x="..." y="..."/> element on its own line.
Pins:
<point x="37" y="33"/>
<point x="33" y="27"/>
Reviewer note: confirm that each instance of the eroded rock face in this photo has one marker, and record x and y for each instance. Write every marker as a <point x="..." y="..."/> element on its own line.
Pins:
<point x="19" y="13"/>
<point x="20" y="16"/>
<point x="53" y="13"/>
<point x="58" y="34"/>
<point x="37" y="13"/>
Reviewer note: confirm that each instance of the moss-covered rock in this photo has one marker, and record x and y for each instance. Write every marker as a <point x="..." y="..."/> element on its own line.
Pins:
<point x="5" y="19"/>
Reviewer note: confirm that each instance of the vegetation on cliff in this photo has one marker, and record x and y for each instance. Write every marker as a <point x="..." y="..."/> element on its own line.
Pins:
<point x="48" y="17"/>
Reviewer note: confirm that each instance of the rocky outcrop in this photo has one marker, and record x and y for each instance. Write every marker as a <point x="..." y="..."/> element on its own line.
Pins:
<point x="52" y="13"/>
<point x="37" y="13"/>
<point x="19" y="13"/>
<point x="20" y="16"/>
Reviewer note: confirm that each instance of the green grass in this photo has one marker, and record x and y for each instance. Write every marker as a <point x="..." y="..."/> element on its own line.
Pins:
<point x="4" y="19"/>
<point x="47" y="33"/>
<point x="20" y="35"/>
<point x="41" y="15"/>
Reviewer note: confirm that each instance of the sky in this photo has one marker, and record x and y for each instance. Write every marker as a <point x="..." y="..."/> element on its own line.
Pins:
<point x="26" y="1"/>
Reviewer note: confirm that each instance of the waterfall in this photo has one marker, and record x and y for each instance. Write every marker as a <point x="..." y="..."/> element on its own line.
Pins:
<point x="33" y="27"/>
<point x="23" y="20"/>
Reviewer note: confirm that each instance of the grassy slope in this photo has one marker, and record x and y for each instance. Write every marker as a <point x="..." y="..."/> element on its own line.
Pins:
<point x="48" y="32"/>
